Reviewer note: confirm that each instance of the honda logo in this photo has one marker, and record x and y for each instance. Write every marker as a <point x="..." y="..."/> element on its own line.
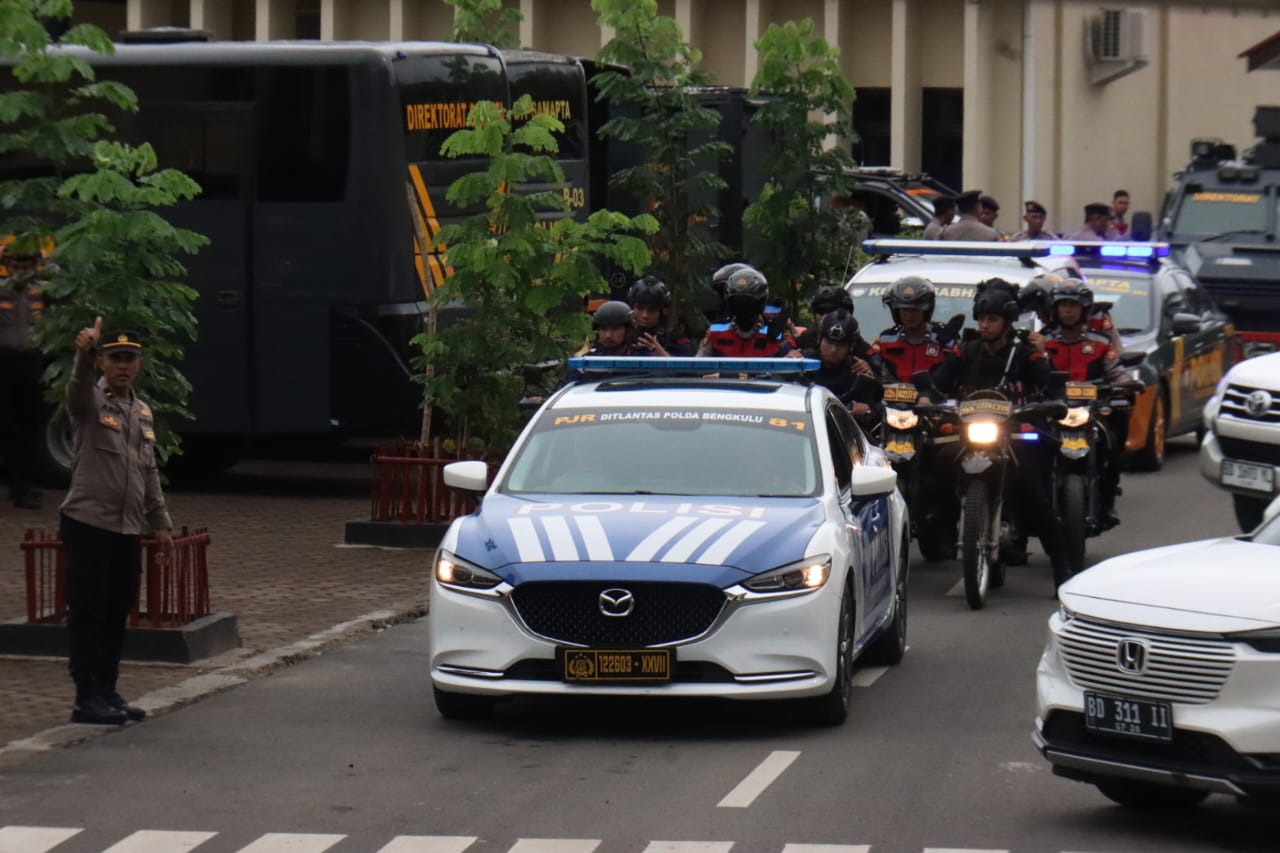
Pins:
<point x="1258" y="403"/>
<point x="617" y="602"/>
<point x="1131" y="656"/>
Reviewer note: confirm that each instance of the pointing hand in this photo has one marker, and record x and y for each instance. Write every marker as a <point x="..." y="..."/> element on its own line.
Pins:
<point x="87" y="339"/>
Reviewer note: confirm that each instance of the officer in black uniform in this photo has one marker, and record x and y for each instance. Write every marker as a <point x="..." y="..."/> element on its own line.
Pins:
<point x="650" y="297"/>
<point x="842" y="373"/>
<point x="21" y="368"/>
<point x="830" y="298"/>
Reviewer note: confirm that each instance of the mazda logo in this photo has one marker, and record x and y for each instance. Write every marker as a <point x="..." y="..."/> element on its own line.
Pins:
<point x="617" y="602"/>
<point x="1131" y="656"/>
<point x="1258" y="403"/>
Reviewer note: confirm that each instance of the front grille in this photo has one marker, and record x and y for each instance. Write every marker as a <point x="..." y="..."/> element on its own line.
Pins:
<point x="1234" y="404"/>
<point x="1251" y="451"/>
<point x="1178" y="669"/>
<point x="569" y="612"/>
<point x="684" y="672"/>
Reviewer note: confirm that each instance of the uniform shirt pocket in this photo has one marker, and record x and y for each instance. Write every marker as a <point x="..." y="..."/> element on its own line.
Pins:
<point x="107" y="434"/>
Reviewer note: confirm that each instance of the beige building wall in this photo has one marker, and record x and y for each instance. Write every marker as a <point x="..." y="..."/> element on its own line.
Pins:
<point x="1034" y="123"/>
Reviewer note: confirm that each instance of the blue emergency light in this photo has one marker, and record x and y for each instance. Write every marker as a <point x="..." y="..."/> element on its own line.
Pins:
<point x="1110" y="249"/>
<point x="645" y="364"/>
<point x="958" y="248"/>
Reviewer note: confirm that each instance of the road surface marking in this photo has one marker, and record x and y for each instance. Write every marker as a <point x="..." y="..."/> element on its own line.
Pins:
<point x="555" y="845"/>
<point x="292" y="842"/>
<point x="759" y="779"/>
<point x="160" y="841"/>
<point x="32" y="839"/>
<point x="867" y="676"/>
<point x="827" y="848"/>
<point x="429" y="844"/>
<point x="955" y="591"/>
<point x="689" y="847"/>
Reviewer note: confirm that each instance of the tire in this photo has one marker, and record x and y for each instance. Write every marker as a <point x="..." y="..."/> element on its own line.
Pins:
<point x="1248" y="511"/>
<point x="462" y="706"/>
<point x="1148" y="797"/>
<point x="57" y="450"/>
<point x="1073" y="526"/>
<point x="1151" y="456"/>
<point x="889" y="647"/>
<point x="973" y="545"/>
<point x="832" y="708"/>
<point x="933" y="550"/>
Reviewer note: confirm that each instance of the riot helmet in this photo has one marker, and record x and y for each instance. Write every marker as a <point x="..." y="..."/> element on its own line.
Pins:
<point x="1037" y="295"/>
<point x="651" y="291"/>
<point x="831" y="298"/>
<point x="613" y="314"/>
<point x="911" y="291"/>
<point x="839" y="326"/>
<point x="996" y="296"/>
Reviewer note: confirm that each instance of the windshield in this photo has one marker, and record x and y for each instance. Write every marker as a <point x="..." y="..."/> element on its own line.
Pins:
<point x="1207" y="213"/>
<point x="1129" y="292"/>
<point x="668" y="451"/>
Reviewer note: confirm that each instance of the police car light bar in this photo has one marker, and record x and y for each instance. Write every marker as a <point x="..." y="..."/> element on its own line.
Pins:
<point x="647" y="364"/>
<point x="958" y="248"/>
<point x="1110" y="249"/>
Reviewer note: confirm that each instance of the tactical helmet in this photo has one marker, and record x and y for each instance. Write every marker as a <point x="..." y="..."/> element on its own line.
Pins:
<point x="996" y="296"/>
<point x="1073" y="290"/>
<point x="911" y="291"/>
<point x="651" y="291"/>
<point x="831" y="298"/>
<point x="1037" y="294"/>
<point x="613" y="314"/>
<point x="839" y="326"/>
<point x="720" y="277"/>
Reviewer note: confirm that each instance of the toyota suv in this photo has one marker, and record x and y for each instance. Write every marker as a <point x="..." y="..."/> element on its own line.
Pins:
<point x="1241" y="447"/>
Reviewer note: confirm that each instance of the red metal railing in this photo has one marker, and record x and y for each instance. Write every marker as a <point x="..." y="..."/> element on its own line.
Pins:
<point x="173" y="592"/>
<point x="408" y="485"/>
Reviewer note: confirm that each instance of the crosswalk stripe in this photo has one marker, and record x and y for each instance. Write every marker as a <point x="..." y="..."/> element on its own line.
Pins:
<point x="827" y="848"/>
<point x="555" y="845"/>
<point x="33" y="839"/>
<point x="160" y="841"/>
<point x="689" y="847"/>
<point x="429" y="844"/>
<point x="956" y="590"/>
<point x="758" y="779"/>
<point x="292" y="842"/>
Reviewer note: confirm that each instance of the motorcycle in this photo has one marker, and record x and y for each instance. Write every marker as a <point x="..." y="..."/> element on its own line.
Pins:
<point x="905" y="436"/>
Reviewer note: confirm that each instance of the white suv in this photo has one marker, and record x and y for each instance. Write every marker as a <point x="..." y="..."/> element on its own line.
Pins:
<point x="1241" y="447"/>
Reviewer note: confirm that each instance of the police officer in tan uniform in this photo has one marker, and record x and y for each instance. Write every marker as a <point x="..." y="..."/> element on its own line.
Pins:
<point x="21" y="367"/>
<point x="115" y="497"/>
<point x="968" y="226"/>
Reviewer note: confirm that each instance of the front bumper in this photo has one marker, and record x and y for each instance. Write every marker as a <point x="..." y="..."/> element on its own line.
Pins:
<point x="766" y="649"/>
<point x="1260" y="446"/>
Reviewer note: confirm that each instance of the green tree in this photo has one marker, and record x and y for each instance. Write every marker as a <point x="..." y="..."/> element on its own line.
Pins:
<point x="519" y="273"/>
<point x="657" y="113"/>
<point x="797" y="244"/>
<point x="96" y="200"/>
<point x="487" y="22"/>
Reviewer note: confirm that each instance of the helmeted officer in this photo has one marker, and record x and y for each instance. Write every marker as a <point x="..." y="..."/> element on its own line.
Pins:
<point x="745" y="333"/>
<point x="914" y="342"/>
<point x="21" y="368"/>
<point x="827" y="300"/>
<point x="649" y="298"/>
<point x="115" y="497"/>
<point x="844" y="374"/>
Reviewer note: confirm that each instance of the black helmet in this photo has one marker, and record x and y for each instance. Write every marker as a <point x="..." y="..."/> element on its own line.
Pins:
<point x="613" y="314"/>
<point x="831" y="298"/>
<point x="996" y="296"/>
<point x="911" y="291"/>
<point x="745" y="294"/>
<point x="1037" y="294"/>
<point x="651" y="291"/>
<point x="720" y="277"/>
<point x="1073" y="290"/>
<point x="839" y="326"/>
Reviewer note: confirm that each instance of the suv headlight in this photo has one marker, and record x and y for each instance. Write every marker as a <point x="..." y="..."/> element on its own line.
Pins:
<point x="803" y="576"/>
<point x="1264" y="641"/>
<point x="455" y="572"/>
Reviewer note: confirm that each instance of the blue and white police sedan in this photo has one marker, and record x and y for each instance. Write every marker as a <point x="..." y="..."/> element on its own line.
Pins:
<point x="654" y="532"/>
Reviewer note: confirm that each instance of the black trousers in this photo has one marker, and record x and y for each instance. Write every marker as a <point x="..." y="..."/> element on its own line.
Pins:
<point x="21" y="414"/>
<point x="103" y="572"/>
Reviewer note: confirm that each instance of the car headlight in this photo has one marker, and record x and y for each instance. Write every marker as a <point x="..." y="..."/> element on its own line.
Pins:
<point x="982" y="432"/>
<point x="807" y="574"/>
<point x="901" y="418"/>
<point x="1077" y="416"/>
<point x="456" y="572"/>
<point x="1264" y="641"/>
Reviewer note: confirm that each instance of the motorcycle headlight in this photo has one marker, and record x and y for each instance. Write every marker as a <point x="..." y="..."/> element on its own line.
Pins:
<point x="901" y="418"/>
<point x="1077" y="416"/>
<point x="455" y="572"/>
<point x="982" y="432"/>
<point x="806" y="575"/>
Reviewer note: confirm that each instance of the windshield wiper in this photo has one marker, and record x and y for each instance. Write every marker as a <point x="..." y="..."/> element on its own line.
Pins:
<point x="1236" y="233"/>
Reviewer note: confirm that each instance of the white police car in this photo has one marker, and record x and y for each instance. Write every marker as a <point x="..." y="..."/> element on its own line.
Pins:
<point x="660" y="533"/>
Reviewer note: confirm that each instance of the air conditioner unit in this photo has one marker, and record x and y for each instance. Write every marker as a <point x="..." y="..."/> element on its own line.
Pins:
<point x="1116" y="43"/>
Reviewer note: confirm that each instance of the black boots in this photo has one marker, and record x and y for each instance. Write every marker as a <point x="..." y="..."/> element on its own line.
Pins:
<point x="95" y="710"/>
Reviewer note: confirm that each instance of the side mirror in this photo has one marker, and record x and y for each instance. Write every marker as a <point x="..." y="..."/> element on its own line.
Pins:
<point x="872" y="481"/>
<point x="1141" y="226"/>
<point x="470" y="477"/>
<point x="1186" y="324"/>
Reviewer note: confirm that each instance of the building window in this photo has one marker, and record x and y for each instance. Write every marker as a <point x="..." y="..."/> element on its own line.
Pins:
<point x="942" y="135"/>
<point x="871" y="123"/>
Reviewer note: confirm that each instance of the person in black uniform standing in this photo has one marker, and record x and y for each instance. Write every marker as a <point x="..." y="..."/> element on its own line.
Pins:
<point x="115" y="497"/>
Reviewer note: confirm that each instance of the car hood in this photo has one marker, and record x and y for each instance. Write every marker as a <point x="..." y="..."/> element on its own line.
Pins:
<point x="1260" y="372"/>
<point x="1217" y="585"/>
<point x="704" y="539"/>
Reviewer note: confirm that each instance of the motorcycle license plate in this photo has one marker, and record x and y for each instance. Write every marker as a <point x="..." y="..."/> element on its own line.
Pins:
<point x="1081" y="391"/>
<point x="1134" y="718"/>
<point x="1242" y="475"/>
<point x="606" y="665"/>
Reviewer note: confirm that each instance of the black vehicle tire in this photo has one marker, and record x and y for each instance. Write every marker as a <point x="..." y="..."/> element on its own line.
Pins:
<point x="1248" y="511"/>
<point x="973" y="545"/>
<point x="932" y="547"/>
<point x="57" y="450"/>
<point x="832" y="708"/>
<point x="1148" y="797"/>
<point x="1073" y="526"/>
<point x="1151" y="456"/>
<point x="462" y="706"/>
<point x="889" y="647"/>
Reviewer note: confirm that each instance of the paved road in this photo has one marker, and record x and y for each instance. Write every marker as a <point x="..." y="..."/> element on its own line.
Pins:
<point x="345" y="753"/>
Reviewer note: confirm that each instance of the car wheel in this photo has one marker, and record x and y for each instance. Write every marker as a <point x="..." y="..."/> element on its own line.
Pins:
<point x="1148" y="797"/>
<point x="832" y="708"/>
<point x="462" y="706"/>
<point x="891" y="645"/>
<point x="974" y="547"/>
<point x="1248" y="511"/>
<point x="1151" y="456"/>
